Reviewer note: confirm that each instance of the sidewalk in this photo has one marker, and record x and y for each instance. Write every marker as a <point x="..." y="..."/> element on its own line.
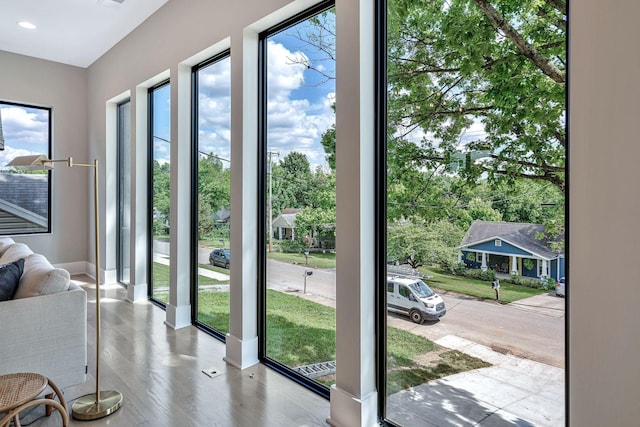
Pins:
<point x="163" y="259"/>
<point x="512" y="392"/>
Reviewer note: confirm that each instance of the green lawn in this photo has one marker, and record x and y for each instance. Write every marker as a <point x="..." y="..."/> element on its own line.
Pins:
<point x="161" y="279"/>
<point x="316" y="259"/>
<point x="477" y="288"/>
<point x="301" y="332"/>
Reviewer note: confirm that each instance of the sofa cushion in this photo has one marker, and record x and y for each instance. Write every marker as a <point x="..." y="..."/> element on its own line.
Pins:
<point x="15" y="252"/>
<point x="41" y="278"/>
<point x="10" y="278"/>
<point x="5" y="242"/>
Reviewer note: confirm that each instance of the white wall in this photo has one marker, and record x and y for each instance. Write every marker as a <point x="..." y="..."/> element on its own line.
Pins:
<point x="64" y="89"/>
<point x="604" y="272"/>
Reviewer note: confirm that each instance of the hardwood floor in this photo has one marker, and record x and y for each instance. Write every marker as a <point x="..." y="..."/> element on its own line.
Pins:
<point x="159" y="372"/>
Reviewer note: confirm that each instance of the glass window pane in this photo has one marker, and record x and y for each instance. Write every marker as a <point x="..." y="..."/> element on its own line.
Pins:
<point x="300" y="198"/>
<point x="24" y="194"/>
<point x="475" y="209"/>
<point x="213" y="194"/>
<point x="124" y="192"/>
<point x="159" y="180"/>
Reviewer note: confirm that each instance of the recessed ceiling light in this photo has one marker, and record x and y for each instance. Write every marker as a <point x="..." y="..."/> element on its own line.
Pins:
<point x="28" y="25"/>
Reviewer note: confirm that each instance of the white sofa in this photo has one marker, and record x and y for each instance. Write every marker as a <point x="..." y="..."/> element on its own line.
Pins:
<point x="43" y="328"/>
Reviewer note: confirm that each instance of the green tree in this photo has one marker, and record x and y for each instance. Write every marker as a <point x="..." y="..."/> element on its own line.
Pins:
<point x="294" y="181"/>
<point x="498" y="66"/>
<point x="214" y="183"/>
<point x="322" y="192"/>
<point x="424" y="244"/>
<point x="214" y="194"/>
<point x="161" y="183"/>
<point x="477" y="209"/>
<point x="527" y="201"/>
<point x="315" y="223"/>
<point x="328" y="142"/>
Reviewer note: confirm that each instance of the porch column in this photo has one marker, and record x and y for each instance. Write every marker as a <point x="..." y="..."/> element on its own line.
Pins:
<point x="279" y="233"/>
<point x="484" y="261"/>
<point x="293" y="234"/>
<point x="514" y="265"/>
<point x="545" y="268"/>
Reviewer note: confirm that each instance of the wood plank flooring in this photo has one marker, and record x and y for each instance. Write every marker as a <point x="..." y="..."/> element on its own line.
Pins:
<point x="159" y="372"/>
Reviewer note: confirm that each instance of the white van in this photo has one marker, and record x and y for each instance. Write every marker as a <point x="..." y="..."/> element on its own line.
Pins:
<point x="412" y="297"/>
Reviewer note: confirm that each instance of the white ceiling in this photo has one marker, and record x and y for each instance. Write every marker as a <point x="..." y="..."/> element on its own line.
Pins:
<point x="75" y="32"/>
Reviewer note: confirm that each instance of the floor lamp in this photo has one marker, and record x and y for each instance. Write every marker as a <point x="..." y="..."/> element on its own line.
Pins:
<point x="101" y="403"/>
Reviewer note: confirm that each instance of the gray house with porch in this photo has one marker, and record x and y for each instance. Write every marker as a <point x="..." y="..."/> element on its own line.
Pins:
<point x="511" y="248"/>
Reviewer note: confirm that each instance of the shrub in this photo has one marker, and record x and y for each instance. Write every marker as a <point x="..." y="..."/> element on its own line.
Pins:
<point x="457" y="268"/>
<point x="486" y="275"/>
<point x="526" y="282"/>
<point x="291" y="246"/>
<point x="548" y="283"/>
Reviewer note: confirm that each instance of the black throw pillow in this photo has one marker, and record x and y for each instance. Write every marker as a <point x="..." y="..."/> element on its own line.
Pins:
<point x="9" y="279"/>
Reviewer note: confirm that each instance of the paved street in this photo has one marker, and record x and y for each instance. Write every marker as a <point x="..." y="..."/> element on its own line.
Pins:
<point x="532" y="328"/>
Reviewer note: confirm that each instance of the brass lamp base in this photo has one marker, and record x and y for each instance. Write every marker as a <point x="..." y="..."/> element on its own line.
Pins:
<point x="86" y="407"/>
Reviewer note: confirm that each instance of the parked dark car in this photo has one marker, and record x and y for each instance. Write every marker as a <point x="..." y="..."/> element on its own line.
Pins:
<point x="221" y="257"/>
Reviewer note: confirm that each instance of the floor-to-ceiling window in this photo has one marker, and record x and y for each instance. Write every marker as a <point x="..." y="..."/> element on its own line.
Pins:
<point x="298" y="189"/>
<point x="159" y="195"/>
<point x="212" y="196"/>
<point x="124" y="191"/>
<point x="474" y="209"/>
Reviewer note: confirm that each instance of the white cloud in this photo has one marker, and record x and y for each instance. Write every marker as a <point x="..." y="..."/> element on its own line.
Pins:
<point x="25" y="128"/>
<point x="295" y="122"/>
<point x="214" y="105"/>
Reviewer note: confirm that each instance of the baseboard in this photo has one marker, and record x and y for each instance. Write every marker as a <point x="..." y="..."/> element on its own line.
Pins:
<point x="78" y="267"/>
<point x="89" y="268"/>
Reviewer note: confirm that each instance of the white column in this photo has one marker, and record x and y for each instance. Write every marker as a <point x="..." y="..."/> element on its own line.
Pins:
<point x="179" y="306"/>
<point x="484" y="261"/>
<point x="545" y="268"/>
<point x="293" y="234"/>
<point x="242" y="339"/>
<point x="514" y="265"/>
<point x="138" y="280"/>
<point x="279" y="233"/>
<point x="354" y="397"/>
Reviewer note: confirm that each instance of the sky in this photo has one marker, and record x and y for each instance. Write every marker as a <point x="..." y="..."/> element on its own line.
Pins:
<point x="26" y="131"/>
<point x="299" y="107"/>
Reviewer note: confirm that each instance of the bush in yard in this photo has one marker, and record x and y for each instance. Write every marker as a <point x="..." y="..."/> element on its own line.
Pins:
<point x="292" y="246"/>
<point x="485" y="275"/>
<point x="455" y="267"/>
<point x="526" y="282"/>
<point x="548" y="283"/>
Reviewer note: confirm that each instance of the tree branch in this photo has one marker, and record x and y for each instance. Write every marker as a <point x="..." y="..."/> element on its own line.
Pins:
<point x="523" y="46"/>
<point x="559" y="5"/>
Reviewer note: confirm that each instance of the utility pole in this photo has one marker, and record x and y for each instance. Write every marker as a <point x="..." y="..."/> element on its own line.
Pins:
<point x="271" y="154"/>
